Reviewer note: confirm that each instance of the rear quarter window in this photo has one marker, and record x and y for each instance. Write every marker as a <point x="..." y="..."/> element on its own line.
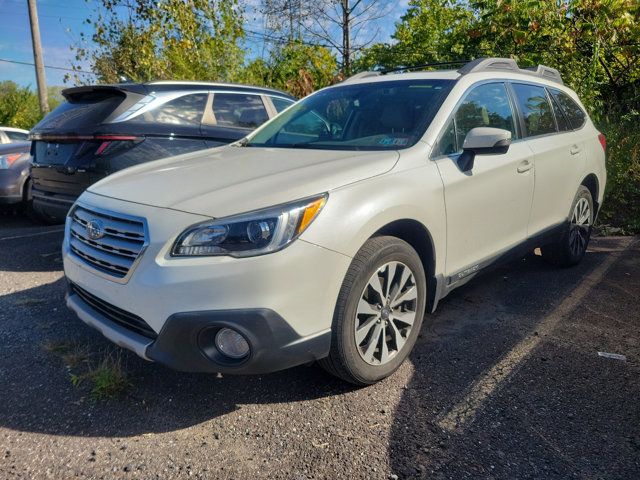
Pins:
<point x="239" y="110"/>
<point x="186" y="110"/>
<point x="575" y="115"/>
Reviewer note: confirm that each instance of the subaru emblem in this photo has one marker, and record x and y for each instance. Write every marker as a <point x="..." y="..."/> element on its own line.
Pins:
<point x="95" y="229"/>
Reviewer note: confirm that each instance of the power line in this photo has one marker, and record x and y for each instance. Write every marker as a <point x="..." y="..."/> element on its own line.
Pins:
<point x="46" y="66"/>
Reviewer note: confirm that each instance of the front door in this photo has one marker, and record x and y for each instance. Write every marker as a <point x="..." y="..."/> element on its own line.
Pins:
<point x="487" y="208"/>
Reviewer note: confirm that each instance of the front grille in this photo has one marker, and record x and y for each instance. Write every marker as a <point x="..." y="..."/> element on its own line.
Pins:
<point x="116" y="315"/>
<point x="117" y="245"/>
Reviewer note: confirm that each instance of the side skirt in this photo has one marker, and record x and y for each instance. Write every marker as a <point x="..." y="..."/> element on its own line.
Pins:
<point x="445" y="285"/>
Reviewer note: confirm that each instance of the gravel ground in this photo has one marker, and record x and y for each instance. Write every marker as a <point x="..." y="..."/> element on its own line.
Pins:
<point x="505" y="382"/>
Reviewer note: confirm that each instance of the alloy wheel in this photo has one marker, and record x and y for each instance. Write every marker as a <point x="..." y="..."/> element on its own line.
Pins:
<point x="386" y="313"/>
<point x="580" y="227"/>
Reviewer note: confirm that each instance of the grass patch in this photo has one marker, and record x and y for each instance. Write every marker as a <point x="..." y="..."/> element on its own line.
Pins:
<point x="107" y="378"/>
<point x="102" y="373"/>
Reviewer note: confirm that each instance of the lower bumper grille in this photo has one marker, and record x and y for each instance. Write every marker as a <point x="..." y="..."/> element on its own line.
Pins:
<point x="116" y="315"/>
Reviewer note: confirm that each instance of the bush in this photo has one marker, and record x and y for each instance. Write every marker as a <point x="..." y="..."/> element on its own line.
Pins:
<point x="621" y="207"/>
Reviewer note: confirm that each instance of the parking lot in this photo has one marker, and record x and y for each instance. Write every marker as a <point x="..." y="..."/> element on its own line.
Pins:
<point x="505" y="382"/>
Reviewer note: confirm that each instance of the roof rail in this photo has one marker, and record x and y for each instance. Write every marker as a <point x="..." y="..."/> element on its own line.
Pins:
<point x="509" y="64"/>
<point x="424" y="65"/>
<point x="360" y="75"/>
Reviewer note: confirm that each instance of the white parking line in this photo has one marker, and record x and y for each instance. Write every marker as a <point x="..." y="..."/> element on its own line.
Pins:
<point x="465" y="410"/>
<point x="17" y="237"/>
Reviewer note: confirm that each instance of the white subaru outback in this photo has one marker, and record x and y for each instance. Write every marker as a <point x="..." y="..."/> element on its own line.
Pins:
<point x="327" y="233"/>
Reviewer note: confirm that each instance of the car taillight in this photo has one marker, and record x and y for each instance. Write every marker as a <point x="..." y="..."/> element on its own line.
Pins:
<point x="7" y="160"/>
<point x="603" y="141"/>
<point x="109" y="142"/>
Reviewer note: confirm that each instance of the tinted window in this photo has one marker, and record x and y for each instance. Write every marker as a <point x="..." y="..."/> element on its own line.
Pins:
<point x="575" y="115"/>
<point x="186" y="111"/>
<point x="237" y="110"/>
<point x="536" y="109"/>
<point x="561" y="121"/>
<point x="375" y="116"/>
<point x="16" y="136"/>
<point x="484" y="106"/>
<point x="281" y="103"/>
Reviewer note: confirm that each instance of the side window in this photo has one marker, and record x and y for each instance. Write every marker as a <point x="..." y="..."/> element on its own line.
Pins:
<point x="536" y="109"/>
<point x="186" y="110"/>
<point x="484" y="106"/>
<point x="281" y="103"/>
<point x="575" y="115"/>
<point x="239" y="110"/>
<point x="16" y="136"/>
<point x="561" y="120"/>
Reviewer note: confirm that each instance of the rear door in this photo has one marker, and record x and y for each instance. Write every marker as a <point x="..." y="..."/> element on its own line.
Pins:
<point x="487" y="208"/>
<point x="559" y="156"/>
<point x="231" y="116"/>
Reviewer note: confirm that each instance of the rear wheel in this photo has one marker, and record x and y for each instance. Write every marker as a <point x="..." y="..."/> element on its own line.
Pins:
<point x="379" y="312"/>
<point x="572" y="246"/>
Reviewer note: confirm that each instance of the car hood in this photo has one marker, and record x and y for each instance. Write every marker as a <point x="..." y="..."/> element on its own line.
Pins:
<point x="229" y="180"/>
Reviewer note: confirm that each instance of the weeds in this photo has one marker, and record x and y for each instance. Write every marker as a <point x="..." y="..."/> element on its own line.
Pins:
<point x="102" y="372"/>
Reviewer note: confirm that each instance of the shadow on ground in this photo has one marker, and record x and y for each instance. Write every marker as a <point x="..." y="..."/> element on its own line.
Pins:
<point x="563" y="413"/>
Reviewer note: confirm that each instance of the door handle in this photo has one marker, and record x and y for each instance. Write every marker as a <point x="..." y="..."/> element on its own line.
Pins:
<point x="575" y="149"/>
<point x="525" y="166"/>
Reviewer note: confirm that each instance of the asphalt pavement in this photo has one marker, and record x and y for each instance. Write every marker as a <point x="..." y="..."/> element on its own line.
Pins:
<point x="505" y="382"/>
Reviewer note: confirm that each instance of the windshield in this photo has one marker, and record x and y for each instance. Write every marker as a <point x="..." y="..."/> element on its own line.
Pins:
<point x="371" y="116"/>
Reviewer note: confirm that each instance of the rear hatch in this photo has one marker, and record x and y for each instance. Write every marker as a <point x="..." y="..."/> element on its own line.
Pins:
<point x="68" y="143"/>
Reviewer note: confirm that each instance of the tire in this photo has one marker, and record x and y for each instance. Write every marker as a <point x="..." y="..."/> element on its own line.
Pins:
<point x="27" y="201"/>
<point x="570" y="249"/>
<point x="386" y="332"/>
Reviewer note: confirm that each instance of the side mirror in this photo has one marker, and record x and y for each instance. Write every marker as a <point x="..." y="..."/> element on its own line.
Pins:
<point x="483" y="141"/>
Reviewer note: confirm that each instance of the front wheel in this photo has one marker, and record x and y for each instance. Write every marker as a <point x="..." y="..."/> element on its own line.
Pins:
<point x="572" y="246"/>
<point x="379" y="312"/>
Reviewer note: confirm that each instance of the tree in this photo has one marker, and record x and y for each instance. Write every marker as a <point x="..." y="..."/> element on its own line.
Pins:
<point x="166" y="39"/>
<point x="346" y="26"/>
<point x="296" y="67"/>
<point x="430" y="31"/>
<point x="19" y="106"/>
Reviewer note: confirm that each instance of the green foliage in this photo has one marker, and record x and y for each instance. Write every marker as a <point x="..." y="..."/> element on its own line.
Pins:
<point x="296" y="67"/>
<point x="430" y="31"/>
<point x="19" y="106"/>
<point x="167" y="39"/>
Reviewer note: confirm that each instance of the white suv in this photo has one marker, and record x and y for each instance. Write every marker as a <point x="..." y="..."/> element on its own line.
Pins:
<point x="327" y="233"/>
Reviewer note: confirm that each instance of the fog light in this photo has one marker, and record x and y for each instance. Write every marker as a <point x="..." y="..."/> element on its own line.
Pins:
<point x="231" y="343"/>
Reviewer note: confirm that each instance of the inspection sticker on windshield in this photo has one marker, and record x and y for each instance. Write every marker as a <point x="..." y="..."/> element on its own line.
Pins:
<point x="399" y="142"/>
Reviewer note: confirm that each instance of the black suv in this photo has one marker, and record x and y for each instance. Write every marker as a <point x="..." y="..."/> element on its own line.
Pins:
<point x="104" y="128"/>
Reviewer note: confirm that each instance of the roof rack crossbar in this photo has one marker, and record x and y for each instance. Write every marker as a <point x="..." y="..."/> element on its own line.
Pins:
<point x="509" y="64"/>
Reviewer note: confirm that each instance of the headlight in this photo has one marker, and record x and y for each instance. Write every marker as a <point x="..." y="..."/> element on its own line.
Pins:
<point x="249" y="234"/>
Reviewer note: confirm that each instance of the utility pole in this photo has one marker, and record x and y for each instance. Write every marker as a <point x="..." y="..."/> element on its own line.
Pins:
<point x="37" y="57"/>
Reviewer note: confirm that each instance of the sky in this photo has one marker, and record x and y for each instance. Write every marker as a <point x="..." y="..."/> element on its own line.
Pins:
<point x="61" y="22"/>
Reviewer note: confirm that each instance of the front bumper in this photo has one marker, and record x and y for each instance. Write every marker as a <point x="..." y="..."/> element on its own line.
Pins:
<point x="282" y="303"/>
<point x="186" y="342"/>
